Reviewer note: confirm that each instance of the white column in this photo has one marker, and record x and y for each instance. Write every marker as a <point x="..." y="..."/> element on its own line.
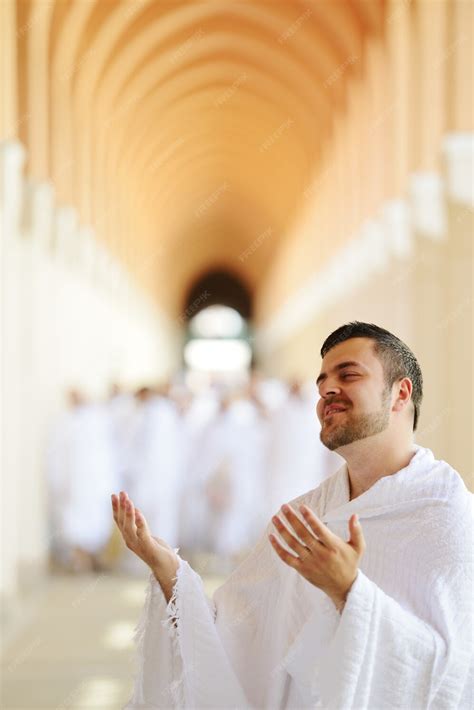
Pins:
<point x="458" y="152"/>
<point x="427" y="204"/>
<point x="38" y="375"/>
<point x="12" y="157"/>
<point x="456" y="324"/>
<point x="428" y="298"/>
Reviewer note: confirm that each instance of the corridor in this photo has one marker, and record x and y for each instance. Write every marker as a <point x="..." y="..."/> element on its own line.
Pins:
<point x="194" y="194"/>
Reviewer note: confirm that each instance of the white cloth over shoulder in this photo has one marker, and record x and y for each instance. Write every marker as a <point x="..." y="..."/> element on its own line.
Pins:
<point x="269" y="639"/>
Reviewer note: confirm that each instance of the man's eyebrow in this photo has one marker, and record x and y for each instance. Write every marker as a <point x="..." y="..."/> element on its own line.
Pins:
<point x="340" y="366"/>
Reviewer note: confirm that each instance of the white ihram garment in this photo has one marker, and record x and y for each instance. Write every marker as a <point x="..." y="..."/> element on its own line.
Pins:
<point x="82" y="473"/>
<point x="233" y="456"/>
<point x="120" y="410"/>
<point x="195" y="423"/>
<point x="154" y="472"/>
<point x="270" y="639"/>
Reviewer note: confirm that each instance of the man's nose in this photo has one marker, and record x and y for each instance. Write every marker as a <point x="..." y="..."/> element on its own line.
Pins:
<point x="328" y="388"/>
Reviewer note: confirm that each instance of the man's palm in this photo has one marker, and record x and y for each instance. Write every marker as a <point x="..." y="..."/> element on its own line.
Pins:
<point x="154" y="551"/>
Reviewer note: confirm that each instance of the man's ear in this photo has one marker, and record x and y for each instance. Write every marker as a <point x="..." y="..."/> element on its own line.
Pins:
<point x="403" y="389"/>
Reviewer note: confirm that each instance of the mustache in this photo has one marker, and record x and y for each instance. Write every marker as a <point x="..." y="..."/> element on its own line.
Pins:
<point x="328" y="402"/>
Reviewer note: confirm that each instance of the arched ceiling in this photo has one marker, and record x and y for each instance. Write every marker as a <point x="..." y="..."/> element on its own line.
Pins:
<point x="217" y="287"/>
<point x="182" y="131"/>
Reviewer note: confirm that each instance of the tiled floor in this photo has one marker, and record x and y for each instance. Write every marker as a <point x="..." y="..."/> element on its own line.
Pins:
<point x="76" y="652"/>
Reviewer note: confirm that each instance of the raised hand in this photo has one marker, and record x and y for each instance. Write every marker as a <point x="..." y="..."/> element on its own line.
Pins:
<point x="156" y="553"/>
<point x="318" y="554"/>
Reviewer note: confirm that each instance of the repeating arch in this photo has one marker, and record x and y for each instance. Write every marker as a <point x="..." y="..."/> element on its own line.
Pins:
<point x="146" y="107"/>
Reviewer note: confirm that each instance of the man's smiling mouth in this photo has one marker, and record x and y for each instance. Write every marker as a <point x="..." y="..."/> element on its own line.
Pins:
<point x="332" y="409"/>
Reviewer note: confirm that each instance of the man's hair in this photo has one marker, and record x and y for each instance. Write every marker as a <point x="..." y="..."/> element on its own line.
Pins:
<point x="397" y="359"/>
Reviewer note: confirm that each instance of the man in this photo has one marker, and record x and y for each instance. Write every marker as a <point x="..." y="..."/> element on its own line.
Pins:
<point x="119" y="407"/>
<point x="223" y="497"/>
<point x="195" y="420"/>
<point x="154" y="461"/>
<point x="382" y="620"/>
<point x="81" y="469"/>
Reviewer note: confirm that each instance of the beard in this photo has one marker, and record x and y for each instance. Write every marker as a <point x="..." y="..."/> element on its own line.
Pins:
<point x="358" y="427"/>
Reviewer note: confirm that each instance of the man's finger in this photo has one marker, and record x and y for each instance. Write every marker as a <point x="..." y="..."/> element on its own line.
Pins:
<point x="129" y="528"/>
<point x="284" y="555"/>
<point x="289" y="537"/>
<point x="114" y="506"/>
<point x="301" y="530"/>
<point x="116" y="511"/>
<point x="143" y="530"/>
<point x="121" y="509"/>
<point x="320" y="530"/>
<point x="356" y="540"/>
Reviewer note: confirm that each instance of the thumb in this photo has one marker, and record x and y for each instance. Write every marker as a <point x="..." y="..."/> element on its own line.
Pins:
<point x="356" y="539"/>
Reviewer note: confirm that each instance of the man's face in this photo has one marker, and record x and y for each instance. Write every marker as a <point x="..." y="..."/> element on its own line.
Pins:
<point x="355" y="401"/>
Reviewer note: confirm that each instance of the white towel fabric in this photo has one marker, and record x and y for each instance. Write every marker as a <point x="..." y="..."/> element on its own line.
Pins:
<point x="270" y="639"/>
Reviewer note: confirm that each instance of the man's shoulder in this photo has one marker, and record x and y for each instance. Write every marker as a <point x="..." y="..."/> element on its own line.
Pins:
<point x="437" y="478"/>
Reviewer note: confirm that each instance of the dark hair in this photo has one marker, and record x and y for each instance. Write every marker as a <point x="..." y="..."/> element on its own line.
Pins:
<point x="397" y="359"/>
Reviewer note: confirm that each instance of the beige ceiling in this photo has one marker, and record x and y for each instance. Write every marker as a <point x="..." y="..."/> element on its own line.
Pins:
<point x="181" y="131"/>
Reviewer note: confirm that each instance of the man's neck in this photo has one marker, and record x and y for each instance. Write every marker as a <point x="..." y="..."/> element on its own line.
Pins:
<point x="373" y="458"/>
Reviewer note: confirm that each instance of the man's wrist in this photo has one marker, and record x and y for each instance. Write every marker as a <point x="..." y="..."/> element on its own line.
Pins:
<point x="165" y="581"/>
<point x="339" y="598"/>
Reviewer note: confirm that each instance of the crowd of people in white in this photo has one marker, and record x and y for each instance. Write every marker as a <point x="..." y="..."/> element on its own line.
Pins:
<point x="207" y="468"/>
